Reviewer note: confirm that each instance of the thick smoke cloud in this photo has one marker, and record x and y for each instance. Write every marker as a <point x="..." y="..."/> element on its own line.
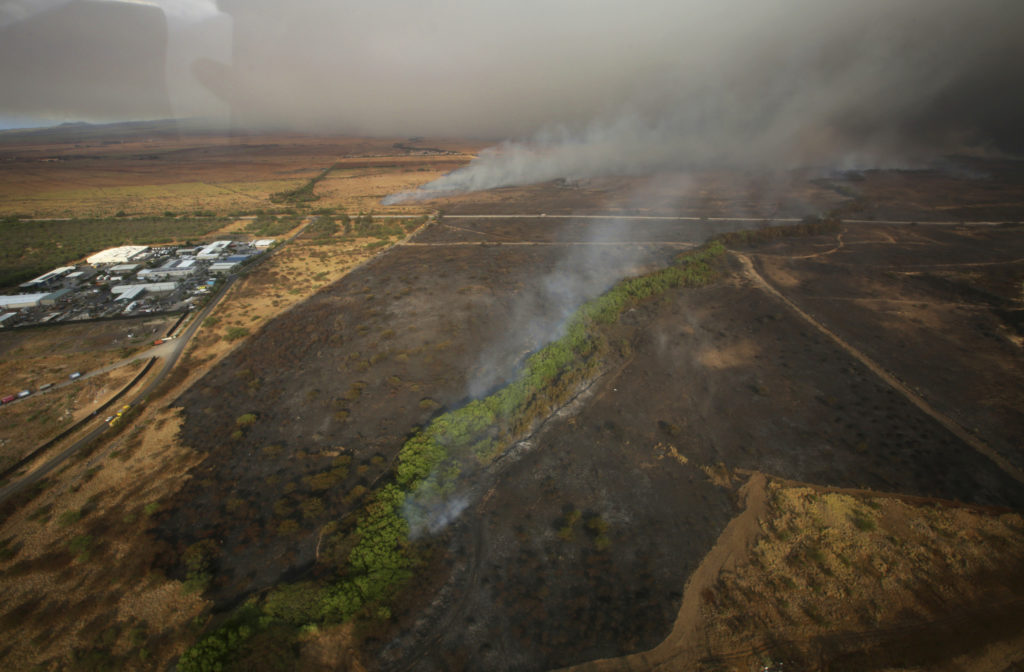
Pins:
<point x="594" y="86"/>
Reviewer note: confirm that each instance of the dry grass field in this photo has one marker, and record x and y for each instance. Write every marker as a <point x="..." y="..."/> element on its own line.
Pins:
<point x="156" y="169"/>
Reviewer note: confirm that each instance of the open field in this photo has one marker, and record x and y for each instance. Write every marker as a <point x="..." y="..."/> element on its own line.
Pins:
<point x="153" y="168"/>
<point x="410" y="460"/>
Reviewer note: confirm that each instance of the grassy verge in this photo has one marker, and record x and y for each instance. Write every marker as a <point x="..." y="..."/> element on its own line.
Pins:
<point x="382" y="555"/>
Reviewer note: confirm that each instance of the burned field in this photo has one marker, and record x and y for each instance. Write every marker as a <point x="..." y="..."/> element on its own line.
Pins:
<point x="717" y="379"/>
<point x="381" y="353"/>
<point x="578" y="542"/>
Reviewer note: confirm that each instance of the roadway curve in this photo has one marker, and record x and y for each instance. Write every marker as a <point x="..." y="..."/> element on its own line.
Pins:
<point x="170" y="352"/>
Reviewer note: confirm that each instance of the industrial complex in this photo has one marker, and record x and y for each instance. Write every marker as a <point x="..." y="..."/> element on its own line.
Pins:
<point x="126" y="281"/>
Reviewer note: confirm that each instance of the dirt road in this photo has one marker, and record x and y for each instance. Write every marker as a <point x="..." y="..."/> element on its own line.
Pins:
<point x="911" y="396"/>
<point x="681" y="650"/>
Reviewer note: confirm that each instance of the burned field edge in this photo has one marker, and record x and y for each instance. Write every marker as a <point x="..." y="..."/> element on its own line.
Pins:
<point x="380" y="558"/>
<point x="427" y="470"/>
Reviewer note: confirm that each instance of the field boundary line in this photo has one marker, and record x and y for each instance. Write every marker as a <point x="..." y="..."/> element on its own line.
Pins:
<point x="952" y="426"/>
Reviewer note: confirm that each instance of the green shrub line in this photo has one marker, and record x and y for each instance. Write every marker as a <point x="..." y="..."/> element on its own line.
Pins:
<point x="430" y="462"/>
<point x="304" y="193"/>
<point x="808" y="226"/>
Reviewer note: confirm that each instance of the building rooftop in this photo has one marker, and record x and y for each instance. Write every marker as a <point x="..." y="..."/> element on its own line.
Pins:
<point x="117" y="255"/>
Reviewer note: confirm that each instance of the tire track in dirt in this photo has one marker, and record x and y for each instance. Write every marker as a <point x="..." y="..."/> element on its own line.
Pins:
<point x="911" y="396"/>
<point x="681" y="650"/>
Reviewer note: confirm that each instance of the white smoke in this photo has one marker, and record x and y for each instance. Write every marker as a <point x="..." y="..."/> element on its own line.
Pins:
<point x="856" y="85"/>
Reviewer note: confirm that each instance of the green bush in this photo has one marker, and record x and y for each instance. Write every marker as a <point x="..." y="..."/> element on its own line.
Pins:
<point x="246" y="420"/>
<point x="81" y="546"/>
<point x="235" y="333"/>
<point x="69" y="517"/>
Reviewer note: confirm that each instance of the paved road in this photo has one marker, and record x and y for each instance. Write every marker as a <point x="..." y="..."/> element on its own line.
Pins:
<point x="768" y="220"/>
<point x="170" y="352"/>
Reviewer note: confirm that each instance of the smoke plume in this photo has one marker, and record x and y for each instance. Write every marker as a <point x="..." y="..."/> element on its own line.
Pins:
<point x="588" y="87"/>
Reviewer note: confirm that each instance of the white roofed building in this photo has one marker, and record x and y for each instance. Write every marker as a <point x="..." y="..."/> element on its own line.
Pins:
<point x="128" y="292"/>
<point x="47" y="277"/>
<point x="173" y="268"/>
<point x="118" y="255"/>
<point x="17" y="301"/>
<point x="214" y="250"/>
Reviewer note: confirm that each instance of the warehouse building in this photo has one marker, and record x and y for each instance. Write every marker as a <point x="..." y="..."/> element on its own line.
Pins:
<point x="16" y="301"/>
<point x="173" y="268"/>
<point x="119" y="255"/>
<point x="131" y="292"/>
<point x="47" y="278"/>
<point x="214" y="250"/>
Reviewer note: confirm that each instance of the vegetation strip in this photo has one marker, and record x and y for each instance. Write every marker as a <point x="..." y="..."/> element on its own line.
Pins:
<point x="428" y="469"/>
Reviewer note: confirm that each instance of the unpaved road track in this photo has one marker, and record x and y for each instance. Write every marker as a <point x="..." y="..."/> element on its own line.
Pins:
<point x="911" y="396"/>
<point x="681" y="650"/>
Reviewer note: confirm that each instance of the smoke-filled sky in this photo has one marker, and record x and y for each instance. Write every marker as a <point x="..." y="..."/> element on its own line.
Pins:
<point x="725" y="81"/>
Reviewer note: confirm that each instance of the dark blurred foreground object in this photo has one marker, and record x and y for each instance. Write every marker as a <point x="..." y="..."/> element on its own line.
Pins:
<point x="86" y="60"/>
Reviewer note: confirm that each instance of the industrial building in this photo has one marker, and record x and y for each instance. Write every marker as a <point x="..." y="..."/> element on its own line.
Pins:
<point x="223" y="266"/>
<point x="16" y="301"/>
<point x="46" y="278"/>
<point x="173" y="268"/>
<point x="81" y="275"/>
<point x="51" y="299"/>
<point x="119" y="255"/>
<point x="130" y="292"/>
<point x="214" y="250"/>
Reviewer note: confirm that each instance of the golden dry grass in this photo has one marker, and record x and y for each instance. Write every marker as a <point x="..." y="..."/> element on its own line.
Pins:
<point x="32" y="421"/>
<point x="214" y="173"/>
<point x="841" y="562"/>
<point x="73" y="600"/>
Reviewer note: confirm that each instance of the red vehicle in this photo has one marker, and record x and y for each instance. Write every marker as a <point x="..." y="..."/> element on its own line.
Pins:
<point x="8" y="399"/>
<point x="158" y="341"/>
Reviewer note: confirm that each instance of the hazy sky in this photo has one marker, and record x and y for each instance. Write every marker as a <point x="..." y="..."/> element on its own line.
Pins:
<point x="730" y="80"/>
